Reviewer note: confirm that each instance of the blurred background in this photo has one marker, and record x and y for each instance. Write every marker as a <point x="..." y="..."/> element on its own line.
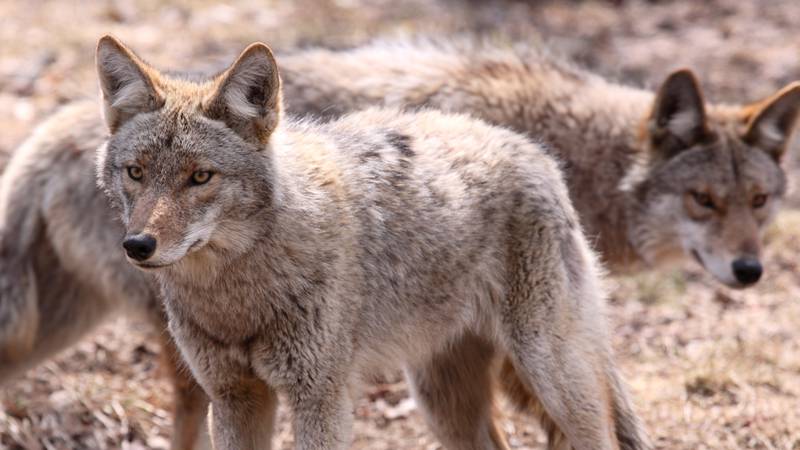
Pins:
<point x="709" y="367"/>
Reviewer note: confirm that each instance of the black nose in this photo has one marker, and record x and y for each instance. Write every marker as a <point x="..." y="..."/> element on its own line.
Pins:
<point x="747" y="270"/>
<point x="140" y="246"/>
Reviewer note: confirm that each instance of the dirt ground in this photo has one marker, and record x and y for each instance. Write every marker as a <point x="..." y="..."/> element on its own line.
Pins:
<point x="710" y="368"/>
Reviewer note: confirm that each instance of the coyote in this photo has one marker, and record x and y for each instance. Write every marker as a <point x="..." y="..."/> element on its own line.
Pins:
<point x="655" y="177"/>
<point x="297" y="257"/>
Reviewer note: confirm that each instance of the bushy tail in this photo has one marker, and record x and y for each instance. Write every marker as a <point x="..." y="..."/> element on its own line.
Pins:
<point x="20" y="224"/>
<point x="19" y="313"/>
<point x="629" y="431"/>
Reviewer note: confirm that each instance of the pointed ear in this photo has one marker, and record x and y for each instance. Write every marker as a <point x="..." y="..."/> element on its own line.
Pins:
<point x="678" y="119"/>
<point x="248" y="95"/>
<point x="126" y="83"/>
<point x="772" y="121"/>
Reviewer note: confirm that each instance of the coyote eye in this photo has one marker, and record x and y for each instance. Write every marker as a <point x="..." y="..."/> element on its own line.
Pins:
<point x="201" y="177"/>
<point x="135" y="172"/>
<point x="703" y="200"/>
<point x="759" y="200"/>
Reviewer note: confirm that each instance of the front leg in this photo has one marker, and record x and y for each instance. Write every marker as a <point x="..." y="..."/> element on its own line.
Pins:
<point x="242" y="405"/>
<point x="323" y="418"/>
<point x="243" y="416"/>
<point x="191" y="402"/>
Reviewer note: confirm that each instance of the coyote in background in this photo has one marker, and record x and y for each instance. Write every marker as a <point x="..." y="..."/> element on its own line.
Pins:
<point x="609" y="149"/>
<point x="298" y="257"/>
<point x="654" y="178"/>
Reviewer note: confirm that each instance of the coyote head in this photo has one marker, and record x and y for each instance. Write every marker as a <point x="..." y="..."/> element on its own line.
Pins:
<point x="713" y="178"/>
<point x="187" y="163"/>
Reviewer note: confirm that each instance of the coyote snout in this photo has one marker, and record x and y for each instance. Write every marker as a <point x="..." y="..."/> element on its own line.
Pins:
<point x="736" y="272"/>
<point x="726" y="240"/>
<point x="165" y="237"/>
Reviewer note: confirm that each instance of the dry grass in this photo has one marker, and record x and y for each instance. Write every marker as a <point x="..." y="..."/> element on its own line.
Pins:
<point x="710" y="367"/>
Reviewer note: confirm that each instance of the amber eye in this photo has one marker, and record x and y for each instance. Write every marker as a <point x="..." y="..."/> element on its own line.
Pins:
<point x="201" y="177"/>
<point x="135" y="172"/>
<point x="703" y="199"/>
<point x="759" y="200"/>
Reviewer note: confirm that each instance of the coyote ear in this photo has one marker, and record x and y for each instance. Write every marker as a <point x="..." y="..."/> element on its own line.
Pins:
<point x="678" y="119"/>
<point x="248" y="95"/>
<point x="125" y="82"/>
<point x="772" y="122"/>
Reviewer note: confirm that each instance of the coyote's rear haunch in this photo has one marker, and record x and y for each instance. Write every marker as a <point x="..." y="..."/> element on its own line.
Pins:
<point x="295" y="257"/>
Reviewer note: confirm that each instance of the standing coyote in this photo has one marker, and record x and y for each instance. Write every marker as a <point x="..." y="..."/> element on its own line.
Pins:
<point x="636" y="200"/>
<point x="296" y="257"/>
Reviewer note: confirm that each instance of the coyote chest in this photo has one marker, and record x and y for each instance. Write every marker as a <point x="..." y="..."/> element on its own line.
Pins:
<point x="227" y="320"/>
